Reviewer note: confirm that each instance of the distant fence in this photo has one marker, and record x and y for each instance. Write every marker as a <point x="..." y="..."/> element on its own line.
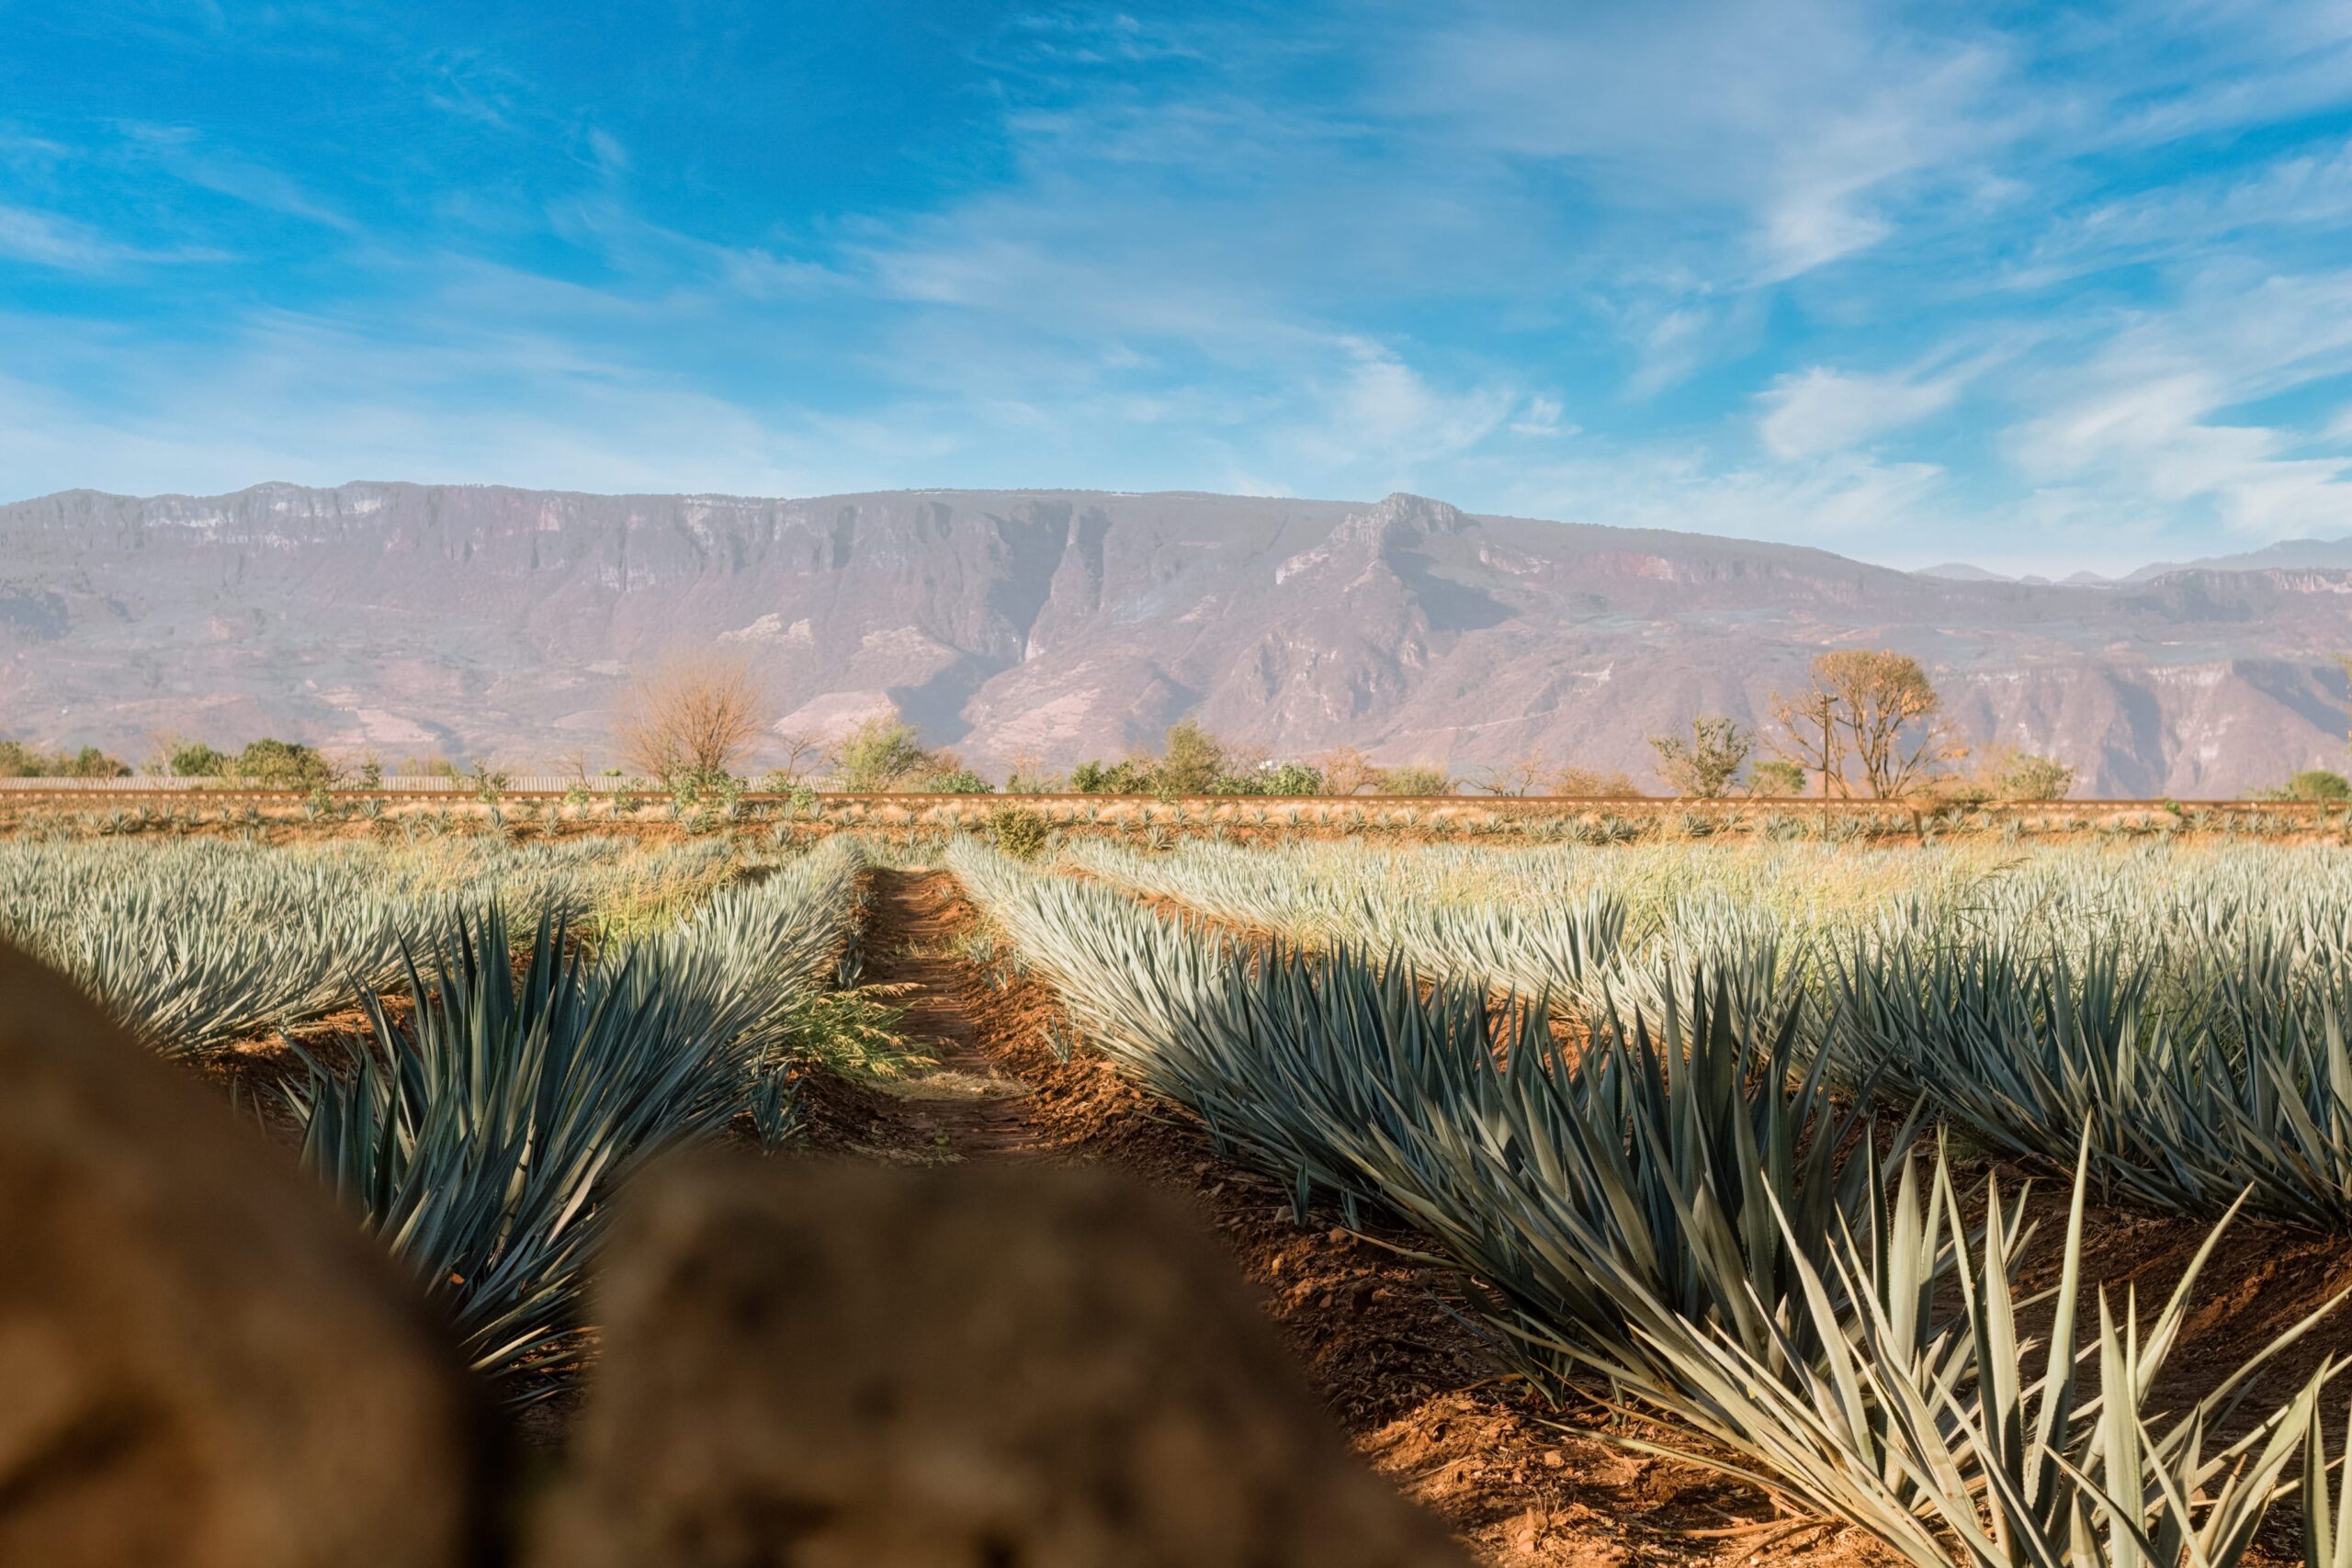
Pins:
<point x="511" y="783"/>
<point x="555" y="786"/>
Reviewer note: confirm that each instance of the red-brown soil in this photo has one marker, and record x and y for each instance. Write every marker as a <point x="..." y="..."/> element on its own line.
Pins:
<point x="1524" y="1483"/>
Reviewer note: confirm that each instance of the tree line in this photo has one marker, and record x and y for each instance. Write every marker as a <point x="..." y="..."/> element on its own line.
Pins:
<point x="1868" y="724"/>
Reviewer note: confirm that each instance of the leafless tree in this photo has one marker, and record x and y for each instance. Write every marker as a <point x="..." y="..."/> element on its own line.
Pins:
<point x="696" y="713"/>
<point x="803" y="752"/>
<point x="1523" y="774"/>
<point x="1347" y="770"/>
<point x="1025" y="772"/>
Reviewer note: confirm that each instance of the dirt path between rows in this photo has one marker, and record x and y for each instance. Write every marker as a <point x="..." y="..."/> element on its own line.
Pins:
<point x="967" y="1106"/>
<point x="1376" y="1333"/>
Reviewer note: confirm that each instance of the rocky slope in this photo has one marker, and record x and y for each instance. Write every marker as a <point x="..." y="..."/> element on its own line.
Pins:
<point x="502" y="623"/>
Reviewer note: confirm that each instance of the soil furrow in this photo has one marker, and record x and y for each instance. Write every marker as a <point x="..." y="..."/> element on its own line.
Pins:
<point x="1375" y="1332"/>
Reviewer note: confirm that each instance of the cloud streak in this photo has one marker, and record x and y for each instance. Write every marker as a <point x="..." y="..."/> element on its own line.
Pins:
<point x="1908" y="282"/>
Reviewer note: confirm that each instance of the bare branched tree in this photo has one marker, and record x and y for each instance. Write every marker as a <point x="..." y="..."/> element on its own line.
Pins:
<point x="803" y="754"/>
<point x="1871" y="713"/>
<point x="1025" y="772"/>
<point x="1523" y="774"/>
<point x="695" y="713"/>
<point x="1347" y="770"/>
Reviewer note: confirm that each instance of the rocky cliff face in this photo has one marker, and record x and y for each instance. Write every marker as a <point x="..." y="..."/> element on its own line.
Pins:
<point x="502" y="623"/>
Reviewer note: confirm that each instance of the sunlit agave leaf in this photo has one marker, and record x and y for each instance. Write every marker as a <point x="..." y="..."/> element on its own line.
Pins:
<point x="481" y="1139"/>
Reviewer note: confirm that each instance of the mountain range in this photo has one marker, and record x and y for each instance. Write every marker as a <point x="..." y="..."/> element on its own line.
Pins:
<point x="500" y="624"/>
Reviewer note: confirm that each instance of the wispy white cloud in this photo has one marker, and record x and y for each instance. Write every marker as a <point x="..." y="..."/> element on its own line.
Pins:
<point x="1821" y="268"/>
<point x="1818" y="411"/>
<point x="183" y="155"/>
<point x="2310" y="188"/>
<point x="1379" y="410"/>
<point x="1541" y="418"/>
<point x="1799" y="120"/>
<point x="314" y="401"/>
<point x="47" y="239"/>
<point x="1835" y="502"/>
<point x="2151" y="414"/>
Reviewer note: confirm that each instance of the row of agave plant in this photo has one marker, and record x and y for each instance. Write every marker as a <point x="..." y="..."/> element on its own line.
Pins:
<point x="2183" y="1013"/>
<point x="196" y="944"/>
<point x="1678" y="1213"/>
<point x="482" y="1136"/>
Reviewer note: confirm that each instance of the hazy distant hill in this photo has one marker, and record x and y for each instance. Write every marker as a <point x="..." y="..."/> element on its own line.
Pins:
<point x="486" y="621"/>
<point x="2292" y="554"/>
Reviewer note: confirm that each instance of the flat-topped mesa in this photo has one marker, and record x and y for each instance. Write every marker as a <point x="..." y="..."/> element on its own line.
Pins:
<point x="1060" y="625"/>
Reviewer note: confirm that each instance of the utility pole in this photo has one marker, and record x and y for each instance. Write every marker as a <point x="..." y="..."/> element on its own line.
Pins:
<point x="1827" y="702"/>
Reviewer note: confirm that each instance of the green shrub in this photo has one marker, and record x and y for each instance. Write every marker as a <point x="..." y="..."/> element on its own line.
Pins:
<point x="19" y="761"/>
<point x="1019" y="831"/>
<point x="197" y="760"/>
<point x="1192" y="762"/>
<point x="1129" y="776"/>
<point x="882" y="751"/>
<point x="90" y="762"/>
<point x="2027" y="777"/>
<point x="1415" y="779"/>
<point x="962" y="780"/>
<point x="282" y="764"/>
<point x="1602" y="783"/>
<point x="1706" y="763"/>
<point x="2316" y="784"/>
<point x="1289" y="779"/>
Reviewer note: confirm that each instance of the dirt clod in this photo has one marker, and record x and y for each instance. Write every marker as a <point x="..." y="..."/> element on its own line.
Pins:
<point x="1014" y="1363"/>
<point x="203" y="1363"/>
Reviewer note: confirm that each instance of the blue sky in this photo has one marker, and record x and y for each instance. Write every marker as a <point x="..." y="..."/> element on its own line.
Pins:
<point x="2040" y="287"/>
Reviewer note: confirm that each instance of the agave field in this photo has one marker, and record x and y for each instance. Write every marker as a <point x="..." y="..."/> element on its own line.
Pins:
<point x="535" y="1019"/>
<point x="1725" y="1136"/>
<point x="1682" y="1116"/>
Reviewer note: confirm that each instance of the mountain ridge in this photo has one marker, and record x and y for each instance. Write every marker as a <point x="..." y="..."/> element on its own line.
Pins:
<point x="1053" y="624"/>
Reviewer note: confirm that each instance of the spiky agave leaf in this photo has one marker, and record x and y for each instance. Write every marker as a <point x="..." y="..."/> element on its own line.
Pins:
<point x="1586" y="1192"/>
<point x="2191" y="1012"/>
<point x="2194" y="1080"/>
<point x="195" y="945"/>
<point x="481" y="1138"/>
<point x="2327" y="1508"/>
<point x="1975" y="1438"/>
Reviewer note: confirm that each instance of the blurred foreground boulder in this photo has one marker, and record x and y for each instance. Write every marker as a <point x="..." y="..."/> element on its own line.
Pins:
<point x="203" y="1364"/>
<point x="853" y="1366"/>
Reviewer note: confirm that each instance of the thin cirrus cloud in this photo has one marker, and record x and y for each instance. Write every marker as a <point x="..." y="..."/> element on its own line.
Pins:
<point x="2164" y="413"/>
<point x="2058" y="289"/>
<point x="58" y="243"/>
<point x="1820" y="411"/>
